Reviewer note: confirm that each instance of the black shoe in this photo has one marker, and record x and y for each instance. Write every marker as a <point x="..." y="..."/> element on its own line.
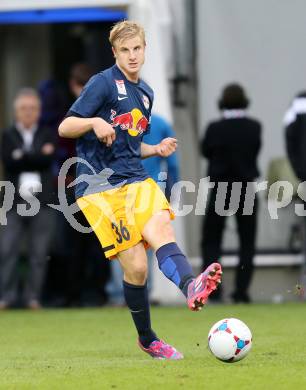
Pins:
<point x="216" y="296"/>
<point x="72" y="303"/>
<point x="4" y="305"/>
<point x="240" y="297"/>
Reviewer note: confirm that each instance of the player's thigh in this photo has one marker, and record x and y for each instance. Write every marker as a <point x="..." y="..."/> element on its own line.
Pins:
<point x="134" y="261"/>
<point x="158" y="231"/>
<point x="92" y="207"/>
<point x="149" y="200"/>
<point x="106" y="214"/>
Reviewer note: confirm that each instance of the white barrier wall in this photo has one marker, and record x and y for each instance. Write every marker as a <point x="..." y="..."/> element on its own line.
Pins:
<point x="261" y="45"/>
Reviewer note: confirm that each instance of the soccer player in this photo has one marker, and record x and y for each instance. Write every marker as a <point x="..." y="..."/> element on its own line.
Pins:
<point x="127" y="209"/>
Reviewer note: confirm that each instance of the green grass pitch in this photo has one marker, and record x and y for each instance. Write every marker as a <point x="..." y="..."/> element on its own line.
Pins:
<point x="96" y="349"/>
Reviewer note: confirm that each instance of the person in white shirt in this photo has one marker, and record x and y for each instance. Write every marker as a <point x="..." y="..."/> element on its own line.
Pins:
<point x="27" y="157"/>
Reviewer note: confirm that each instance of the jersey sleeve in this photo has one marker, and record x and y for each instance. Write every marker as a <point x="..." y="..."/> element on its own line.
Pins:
<point x="92" y="98"/>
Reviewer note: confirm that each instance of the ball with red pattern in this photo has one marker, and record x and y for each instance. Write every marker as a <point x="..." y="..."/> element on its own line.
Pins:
<point x="230" y="340"/>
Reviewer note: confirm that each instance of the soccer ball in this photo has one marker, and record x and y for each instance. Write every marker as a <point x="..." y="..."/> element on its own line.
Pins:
<point x="230" y="340"/>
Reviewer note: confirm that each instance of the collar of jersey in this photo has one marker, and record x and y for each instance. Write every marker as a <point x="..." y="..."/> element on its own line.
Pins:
<point x="124" y="77"/>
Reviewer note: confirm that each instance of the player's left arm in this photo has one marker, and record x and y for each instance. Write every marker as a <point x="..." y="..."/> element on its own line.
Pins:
<point x="172" y="161"/>
<point x="164" y="149"/>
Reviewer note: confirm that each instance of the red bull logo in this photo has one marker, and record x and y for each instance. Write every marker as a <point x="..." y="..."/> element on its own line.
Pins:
<point x="134" y="122"/>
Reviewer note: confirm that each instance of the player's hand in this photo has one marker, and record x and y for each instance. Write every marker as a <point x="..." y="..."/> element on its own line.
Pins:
<point x="47" y="149"/>
<point x="166" y="147"/>
<point x="104" y="131"/>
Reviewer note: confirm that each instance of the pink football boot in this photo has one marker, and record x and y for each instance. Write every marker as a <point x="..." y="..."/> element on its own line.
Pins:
<point x="158" y="349"/>
<point x="202" y="286"/>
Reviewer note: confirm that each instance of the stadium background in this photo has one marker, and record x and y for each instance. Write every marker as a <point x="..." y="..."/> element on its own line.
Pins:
<point x="194" y="48"/>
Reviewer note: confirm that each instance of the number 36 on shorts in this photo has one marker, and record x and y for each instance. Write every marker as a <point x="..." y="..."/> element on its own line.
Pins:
<point x="121" y="231"/>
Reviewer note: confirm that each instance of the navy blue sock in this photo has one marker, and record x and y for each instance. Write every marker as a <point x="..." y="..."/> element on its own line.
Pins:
<point x="174" y="265"/>
<point x="137" y="299"/>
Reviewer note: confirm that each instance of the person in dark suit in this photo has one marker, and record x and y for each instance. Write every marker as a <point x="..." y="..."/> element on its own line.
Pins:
<point x="27" y="154"/>
<point x="231" y="146"/>
<point x="295" y="142"/>
<point x="295" y="135"/>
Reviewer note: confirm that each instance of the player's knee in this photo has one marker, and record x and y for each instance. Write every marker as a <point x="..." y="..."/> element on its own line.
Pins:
<point x="159" y="230"/>
<point x="137" y="274"/>
<point x="140" y="271"/>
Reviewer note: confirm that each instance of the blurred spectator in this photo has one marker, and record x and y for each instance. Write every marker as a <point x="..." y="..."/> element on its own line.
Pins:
<point x="295" y="136"/>
<point x="231" y="145"/>
<point x="27" y="154"/>
<point x="159" y="130"/>
<point x="79" y="75"/>
<point x="295" y="133"/>
<point x="87" y="268"/>
<point x="54" y="103"/>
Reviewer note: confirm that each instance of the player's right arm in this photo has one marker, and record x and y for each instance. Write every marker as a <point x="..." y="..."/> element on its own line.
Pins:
<point x="82" y="117"/>
<point x="75" y="127"/>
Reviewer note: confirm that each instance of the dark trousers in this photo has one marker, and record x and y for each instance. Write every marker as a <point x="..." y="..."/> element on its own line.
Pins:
<point x="79" y="268"/>
<point x="88" y="269"/>
<point x="212" y="232"/>
<point x="35" y="232"/>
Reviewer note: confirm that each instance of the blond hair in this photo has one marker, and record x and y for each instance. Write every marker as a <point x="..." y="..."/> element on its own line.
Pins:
<point x="126" y="29"/>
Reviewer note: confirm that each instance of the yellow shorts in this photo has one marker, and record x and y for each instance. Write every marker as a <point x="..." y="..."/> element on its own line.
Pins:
<point x="119" y="215"/>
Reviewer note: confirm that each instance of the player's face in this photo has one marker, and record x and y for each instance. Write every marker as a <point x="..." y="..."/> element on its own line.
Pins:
<point x="130" y="56"/>
<point x="27" y="110"/>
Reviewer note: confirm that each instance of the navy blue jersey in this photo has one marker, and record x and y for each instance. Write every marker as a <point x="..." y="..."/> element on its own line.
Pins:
<point x="127" y="107"/>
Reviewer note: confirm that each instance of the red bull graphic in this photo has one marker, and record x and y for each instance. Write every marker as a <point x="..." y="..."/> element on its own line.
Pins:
<point x="134" y="122"/>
